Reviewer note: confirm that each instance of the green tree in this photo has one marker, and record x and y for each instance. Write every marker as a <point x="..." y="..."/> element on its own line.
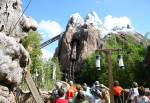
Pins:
<point x="133" y="55"/>
<point x="48" y="67"/>
<point x="41" y="70"/>
<point x="32" y="44"/>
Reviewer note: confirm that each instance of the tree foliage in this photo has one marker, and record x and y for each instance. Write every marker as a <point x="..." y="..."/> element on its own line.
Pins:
<point x="133" y="55"/>
<point x="48" y="67"/>
<point x="32" y="44"/>
<point x="41" y="70"/>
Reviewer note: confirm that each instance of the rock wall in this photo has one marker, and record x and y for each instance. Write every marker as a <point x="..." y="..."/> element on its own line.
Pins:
<point x="78" y="41"/>
<point x="13" y="28"/>
<point x="6" y="96"/>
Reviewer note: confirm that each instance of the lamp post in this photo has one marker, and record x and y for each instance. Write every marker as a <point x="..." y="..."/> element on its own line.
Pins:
<point x="108" y="53"/>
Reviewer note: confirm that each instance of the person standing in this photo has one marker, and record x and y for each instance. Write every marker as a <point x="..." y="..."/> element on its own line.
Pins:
<point x="87" y="93"/>
<point x="61" y="97"/>
<point x="141" y="98"/>
<point x="55" y="92"/>
<point x="133" y="92"/>
<point x="96" y="92"/>
<point x="71" y="92"/>
<point x="117" y="91"/>
<point x="80" y="98"/>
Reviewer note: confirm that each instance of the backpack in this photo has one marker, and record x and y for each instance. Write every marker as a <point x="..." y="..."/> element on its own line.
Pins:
<point x="96" y="92"/>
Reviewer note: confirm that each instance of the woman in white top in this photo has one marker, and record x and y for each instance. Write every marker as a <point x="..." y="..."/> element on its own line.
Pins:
<point x="133" y="92"/>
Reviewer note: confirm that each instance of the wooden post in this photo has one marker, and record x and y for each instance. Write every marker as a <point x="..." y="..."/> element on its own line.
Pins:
<point x="108" y="53"/>
<point x="32" y="88"/>
<point x="110" y="76"/>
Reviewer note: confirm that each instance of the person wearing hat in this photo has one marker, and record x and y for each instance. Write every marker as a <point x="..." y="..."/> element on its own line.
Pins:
<point x="96" y="92"/>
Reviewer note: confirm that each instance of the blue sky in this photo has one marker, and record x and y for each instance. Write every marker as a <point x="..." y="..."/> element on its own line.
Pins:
<point x="57" y="12"/>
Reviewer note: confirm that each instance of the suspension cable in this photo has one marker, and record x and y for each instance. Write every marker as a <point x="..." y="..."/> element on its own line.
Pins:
<point x="20" y="17"/>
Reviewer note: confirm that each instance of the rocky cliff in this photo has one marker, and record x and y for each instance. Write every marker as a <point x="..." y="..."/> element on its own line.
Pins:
<point x="14" y="58"/>
<point x="80" y="39"/>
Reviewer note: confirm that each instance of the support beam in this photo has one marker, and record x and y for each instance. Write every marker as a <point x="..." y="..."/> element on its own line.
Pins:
<point x="32" y="88"/>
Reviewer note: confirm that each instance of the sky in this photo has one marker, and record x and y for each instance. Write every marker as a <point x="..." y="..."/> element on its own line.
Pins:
<point x="52" y="15"/>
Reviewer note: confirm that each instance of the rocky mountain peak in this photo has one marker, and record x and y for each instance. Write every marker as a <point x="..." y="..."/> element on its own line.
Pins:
<point x="92" y="18"/>
<point x="106" y="27"/>
<point x="80" y="39"/>
<point x="75" y="21"/>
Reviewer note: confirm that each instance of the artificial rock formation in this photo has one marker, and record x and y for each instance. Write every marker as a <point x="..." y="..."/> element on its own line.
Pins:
<point x="80" y="39"/>
<point x="13" y="28"/>
<point x="83" y="36"/>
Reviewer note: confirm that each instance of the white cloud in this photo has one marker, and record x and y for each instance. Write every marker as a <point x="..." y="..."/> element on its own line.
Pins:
<point x="119" y="23"/>
<point x="49" y="28"/>
<point x="97" y="1"/>
<point x="111" y="22"/>
<point x="46" y="54"/>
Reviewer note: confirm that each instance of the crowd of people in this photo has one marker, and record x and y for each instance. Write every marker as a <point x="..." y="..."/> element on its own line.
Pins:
<point x="98" y="93"/>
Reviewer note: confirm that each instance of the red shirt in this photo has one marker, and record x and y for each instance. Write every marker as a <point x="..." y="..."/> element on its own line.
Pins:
<point x="117" y="90"/>
<point x="61" y="100"/>
<point x="70" y="93"/>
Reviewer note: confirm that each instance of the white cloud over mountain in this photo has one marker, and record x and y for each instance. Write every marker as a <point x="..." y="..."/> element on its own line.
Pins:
<point x="116" y="23"/>
<point x="111" y="22"/>
<point x="49" y="28"/>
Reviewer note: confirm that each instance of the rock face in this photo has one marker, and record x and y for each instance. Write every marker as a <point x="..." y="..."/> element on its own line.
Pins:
<point x="6" y="96"/>
<point x="80" y="39"/>
<point x="13" y="28"/>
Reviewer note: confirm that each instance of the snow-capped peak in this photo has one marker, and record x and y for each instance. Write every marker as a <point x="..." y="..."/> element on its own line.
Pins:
<point x="110" y="24"/>
<point x="92" y="18"/>
<point x="76" y="20"/>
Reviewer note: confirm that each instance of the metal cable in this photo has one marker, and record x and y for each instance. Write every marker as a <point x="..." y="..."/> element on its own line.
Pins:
<point x="20" y="17"/>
